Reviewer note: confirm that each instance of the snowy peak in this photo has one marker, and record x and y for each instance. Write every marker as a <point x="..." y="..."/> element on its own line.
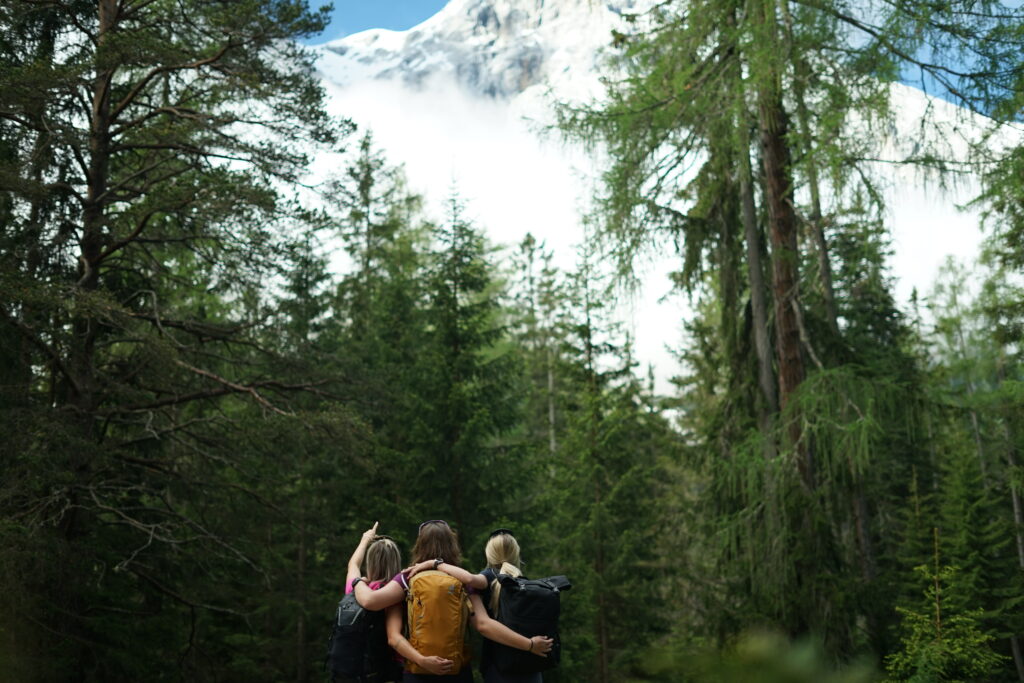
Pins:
<point x="495" y="48"/>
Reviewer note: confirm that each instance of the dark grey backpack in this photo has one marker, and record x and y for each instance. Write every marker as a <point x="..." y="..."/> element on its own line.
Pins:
<point x="530" y="607"/>
<point x="358" y="648"/>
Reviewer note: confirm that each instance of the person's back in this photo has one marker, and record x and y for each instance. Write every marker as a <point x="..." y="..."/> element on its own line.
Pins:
<point x="503" y="557"/>
<point x="436" y="549"/>
<point x="436" y="612"/>
<point x="358" y="649"/>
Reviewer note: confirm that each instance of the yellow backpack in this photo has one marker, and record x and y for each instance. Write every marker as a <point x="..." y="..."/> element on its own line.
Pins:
<point x="437" y="610"/>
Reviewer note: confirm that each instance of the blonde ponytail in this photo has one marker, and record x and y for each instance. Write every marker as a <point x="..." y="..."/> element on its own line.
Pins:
<point x="506" y="568"/>
<point x="502" y="554"/>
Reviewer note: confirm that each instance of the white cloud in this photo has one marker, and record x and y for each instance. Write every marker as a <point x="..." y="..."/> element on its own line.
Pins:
<point x="517" y="182"/>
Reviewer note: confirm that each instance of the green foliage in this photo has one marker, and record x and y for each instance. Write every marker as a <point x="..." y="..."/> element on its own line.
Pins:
<point x="942" y="641"/>
<point x="612" y="450"/>
<point x="797" y="517"/>
<point x="466" y="387"/>
<point x="756" y="657"/>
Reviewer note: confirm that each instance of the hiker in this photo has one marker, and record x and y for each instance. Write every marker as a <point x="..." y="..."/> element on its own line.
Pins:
<point x="358" y="649"/>
<point x="436" y="612"/>
<point x="502" y="555"/>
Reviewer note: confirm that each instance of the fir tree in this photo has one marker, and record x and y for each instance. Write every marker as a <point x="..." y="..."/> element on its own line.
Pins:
<point x="614" y="448"/>
<point x="465" y="391"/>
<point x="942" y="641"/>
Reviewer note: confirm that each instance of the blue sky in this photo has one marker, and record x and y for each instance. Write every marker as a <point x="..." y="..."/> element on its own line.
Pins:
<point x="352" y="16"/>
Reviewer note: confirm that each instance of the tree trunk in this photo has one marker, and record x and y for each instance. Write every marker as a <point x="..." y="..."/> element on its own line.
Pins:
<point x="758" y="299"/>
<point x="1018" y="515"/>
<point x="79" y="386"/>
<point x="817" y="231"/>
<point x="1018" y="658"/>
<point x="552" y="444"/>
<point x="861" y="517"/>
<point x="815" y="226"/>
<point x="975" y="426"/>
<point x="300" y="627"/>
<point x="1018" y="518"/>
<point x="785" y="276"/>
<point x="602" y="634"/>
<point x="593" y="391"/>
<point x="601" y="625"/>
<point x="84" y="327"/>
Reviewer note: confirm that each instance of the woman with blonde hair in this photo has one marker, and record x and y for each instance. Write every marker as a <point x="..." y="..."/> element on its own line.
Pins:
<point x="437" y="549"/>
<point x="367" y="655"/>
<point x="383" y="560"/>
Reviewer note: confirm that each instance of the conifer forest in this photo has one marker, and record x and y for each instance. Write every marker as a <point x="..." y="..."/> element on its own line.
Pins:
<point x="218" y="367"/>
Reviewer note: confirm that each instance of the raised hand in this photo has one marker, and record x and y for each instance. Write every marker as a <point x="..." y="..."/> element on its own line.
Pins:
<point x="370" y="534"/>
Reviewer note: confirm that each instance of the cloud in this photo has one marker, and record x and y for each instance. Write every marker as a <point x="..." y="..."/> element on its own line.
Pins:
<point x="517" y="182"/>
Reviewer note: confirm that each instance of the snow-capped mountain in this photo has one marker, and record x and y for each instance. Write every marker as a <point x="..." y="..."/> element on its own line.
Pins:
<point x="462" y="98"/>
<point x="492" y="48"/>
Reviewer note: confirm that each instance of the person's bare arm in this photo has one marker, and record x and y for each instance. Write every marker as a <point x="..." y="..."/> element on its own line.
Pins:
<point x="356" y="561"/>
<point x="478" y="581"/>
<point x="389" y="594"/>
<point x="396" y="639"/>
<point x="499" y="633"/>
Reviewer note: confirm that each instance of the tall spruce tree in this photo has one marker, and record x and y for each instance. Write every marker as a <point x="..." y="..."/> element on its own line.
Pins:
<point x="614" y="447"/>
<point x="942" y="640"/>
<point x="466" y="385"/>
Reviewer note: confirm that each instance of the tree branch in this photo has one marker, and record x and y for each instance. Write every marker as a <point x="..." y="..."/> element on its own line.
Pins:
<point x="156" y="71"/>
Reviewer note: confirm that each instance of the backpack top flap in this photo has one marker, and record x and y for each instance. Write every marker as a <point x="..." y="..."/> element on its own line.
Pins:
<point x="553" y="583"/>
<point x="531" y="606"/>
<point x="437" y="612"/>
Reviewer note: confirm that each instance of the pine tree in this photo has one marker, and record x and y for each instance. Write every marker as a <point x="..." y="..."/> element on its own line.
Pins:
<point x="802" y="88"/>
<point x="942" y="641"/>
<point x="979" y="504"/>
<point x="465" y="389"/>
<point x="614" y="447"/>
<point x="540" y="302"/>
<point x="381" y="310"/>
<point x="145" y="146"/>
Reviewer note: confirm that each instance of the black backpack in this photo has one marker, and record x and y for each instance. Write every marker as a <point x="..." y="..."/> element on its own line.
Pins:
<point x="529" y="607"/>
<point x="358" y="649"/>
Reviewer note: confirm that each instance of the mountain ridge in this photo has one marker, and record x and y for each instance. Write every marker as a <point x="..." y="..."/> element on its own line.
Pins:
<point x="494" y="48"/>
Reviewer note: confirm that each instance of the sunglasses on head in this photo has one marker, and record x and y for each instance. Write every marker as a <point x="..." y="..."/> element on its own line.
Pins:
<point x="433" y="521"/>
<point x="382" y="537"/>
<point x="498" y="532"/>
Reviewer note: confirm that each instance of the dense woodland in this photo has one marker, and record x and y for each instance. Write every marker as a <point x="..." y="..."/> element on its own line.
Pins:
<point x="202" y="411"/>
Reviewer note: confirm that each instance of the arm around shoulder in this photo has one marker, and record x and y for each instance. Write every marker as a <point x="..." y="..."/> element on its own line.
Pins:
<point x="389" y="594"/>
<point x="477" y="581"/>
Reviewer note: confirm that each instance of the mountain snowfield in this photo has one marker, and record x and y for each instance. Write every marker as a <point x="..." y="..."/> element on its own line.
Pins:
<point x="462" y="100"/>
